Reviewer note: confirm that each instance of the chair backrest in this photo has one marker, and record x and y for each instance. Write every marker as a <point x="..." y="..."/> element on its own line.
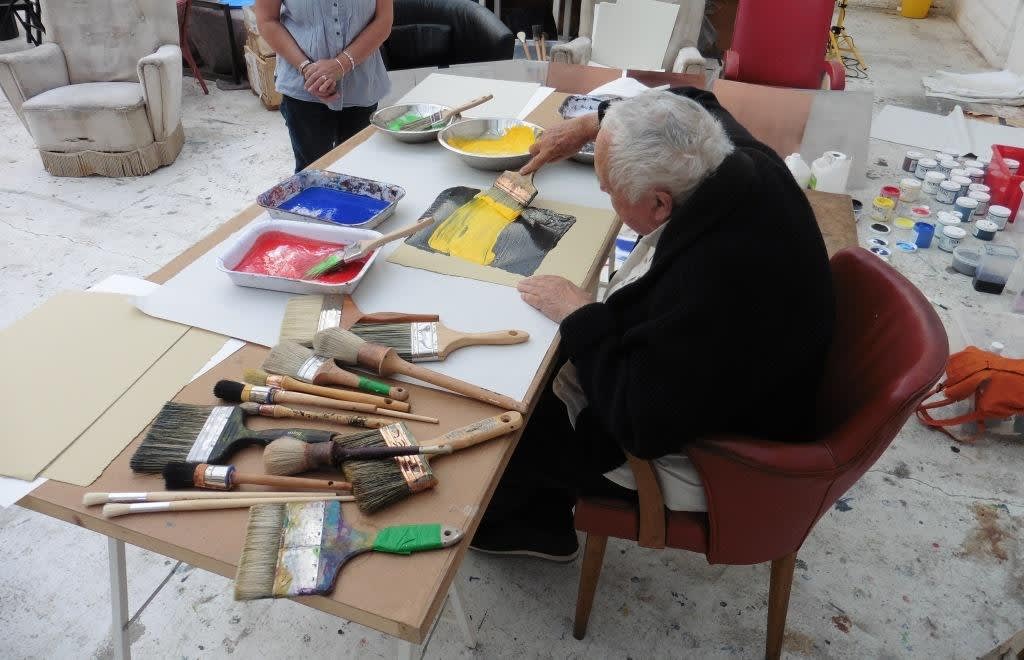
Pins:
<point x="782" y="42"/>
<point x="103" y="41"/>
<point x="432" y="32"/>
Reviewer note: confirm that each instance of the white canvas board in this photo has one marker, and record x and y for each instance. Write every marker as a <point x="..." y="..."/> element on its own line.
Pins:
<point x="202" y="296"/>
<point x="633" y="34"/>
<point x="509" y="97"/>
<point x="933" y="132"/>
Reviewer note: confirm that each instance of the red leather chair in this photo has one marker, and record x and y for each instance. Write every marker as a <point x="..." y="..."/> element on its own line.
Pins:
<point x="783" y="43"/>
<point x="764" y="497"/>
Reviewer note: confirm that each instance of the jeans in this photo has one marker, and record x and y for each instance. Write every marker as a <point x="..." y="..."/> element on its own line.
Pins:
<point x="315" y="129"/>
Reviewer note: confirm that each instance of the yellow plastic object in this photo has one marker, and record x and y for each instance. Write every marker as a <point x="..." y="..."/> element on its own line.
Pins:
<point x="915" y="8"/>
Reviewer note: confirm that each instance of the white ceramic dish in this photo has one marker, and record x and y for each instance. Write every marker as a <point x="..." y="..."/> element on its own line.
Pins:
<point x="321" y="232"/>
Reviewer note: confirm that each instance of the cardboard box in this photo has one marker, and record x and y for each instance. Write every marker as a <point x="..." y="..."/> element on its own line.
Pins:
<point x="252" y="35"/>
<point x="261" y="78"/>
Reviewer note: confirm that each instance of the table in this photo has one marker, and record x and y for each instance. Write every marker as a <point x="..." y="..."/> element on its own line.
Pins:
<point x="400" y="596"/>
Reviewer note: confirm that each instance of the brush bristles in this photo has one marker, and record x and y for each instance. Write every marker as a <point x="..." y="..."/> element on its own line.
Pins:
<point x="376" y="484"/>
<point x="286" y="456"/>
<point x="338" y="344"/>
<point x="255" y="376"/>
<point x="301" y="319"/>
<point x="178" y="475"/>
<point x="286" y="359"/>
<point x="257" y="566"/>
<point x="170" y="437"/>
<point x="394" y="335"/>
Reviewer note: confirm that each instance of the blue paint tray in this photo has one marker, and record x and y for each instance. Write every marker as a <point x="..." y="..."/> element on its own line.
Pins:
<point x="362" y="203"/>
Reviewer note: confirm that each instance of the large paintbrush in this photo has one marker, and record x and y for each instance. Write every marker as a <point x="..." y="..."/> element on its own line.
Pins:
<point x="204" y="434"/>
<point x="289" y="359"/>
<point x="351" y="349"/>
<point x="304" y="316"/>
<point x="289" y="384"/>
<point x="92" y="499"/>
<point x="297" y="549"/>
<point x="429" y="341"/>
<point x="362" y="249"/>
<point x="377" y="483"/>
<point x="179" y="475"/>
<point x="114" y="510"/>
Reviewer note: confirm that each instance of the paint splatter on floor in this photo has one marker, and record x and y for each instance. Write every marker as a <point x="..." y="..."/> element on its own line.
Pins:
<point x="842" y="622"/>
<point x="797" y="642"/>
<point x="902" y="470"/>
<point x="986" y="540"/>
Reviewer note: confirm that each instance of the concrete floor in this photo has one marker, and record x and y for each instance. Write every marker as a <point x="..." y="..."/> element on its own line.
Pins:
<point x="922" y="558"/>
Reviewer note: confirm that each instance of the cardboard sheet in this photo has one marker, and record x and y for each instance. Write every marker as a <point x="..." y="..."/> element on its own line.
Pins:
<point x="935" y="132"/>
<point x="66" y="363"/>
<point x="509" y="97"/>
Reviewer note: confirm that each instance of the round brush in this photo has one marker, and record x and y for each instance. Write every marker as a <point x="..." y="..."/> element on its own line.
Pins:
<point x="226" y="477"/>
<point x="284" y="457"/>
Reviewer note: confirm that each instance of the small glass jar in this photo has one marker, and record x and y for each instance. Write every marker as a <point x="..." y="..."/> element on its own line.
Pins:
<point x="963" y="182"/>
<point x="910" y="160"/>
<point x="999" y="215"/>
<point x="882" y="209"/>
<point x="925" y="165"/>
<point x="910" y="189"/>
<point x="983" y="201"/>
<point x="966" y="207"/>
<point x="975" y="174"/>
<point x="931" y="182"/>
<point x="948" y="192"/>
<point x="951" y="237"/>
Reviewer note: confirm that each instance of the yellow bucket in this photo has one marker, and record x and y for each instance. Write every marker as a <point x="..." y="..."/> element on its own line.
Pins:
<point x="915" y="8"/>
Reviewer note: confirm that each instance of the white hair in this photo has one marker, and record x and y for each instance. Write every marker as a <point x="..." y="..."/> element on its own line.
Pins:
<point x="662" y="141"/>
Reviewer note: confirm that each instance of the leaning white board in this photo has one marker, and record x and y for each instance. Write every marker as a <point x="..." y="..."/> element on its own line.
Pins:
<point x="934" y="132"/>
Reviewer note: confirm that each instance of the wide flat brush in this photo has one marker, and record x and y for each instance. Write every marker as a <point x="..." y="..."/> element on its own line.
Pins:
<point x="351" y="349"/>
<point x="304" y="316"/>
<point x="204" y="434"/>
<point x="290" y="359"/>
<point x="260" y="377"/>
<point x="361" y="249"/>
<point x="225" y="477"/>
<point x="93" y="499"/>
<point x="114" y="510"/>
<point x="513" y="191"/>
<point x="297" y="549"/>
<point x="283" y="412"/>
<point x="431" y="340"/>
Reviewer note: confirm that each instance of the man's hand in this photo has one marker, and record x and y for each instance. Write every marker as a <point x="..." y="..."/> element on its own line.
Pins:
<point x="554" y="296"/>
<point x="561" y="141"/>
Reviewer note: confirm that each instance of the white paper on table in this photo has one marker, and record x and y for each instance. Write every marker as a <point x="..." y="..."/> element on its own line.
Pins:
<point x="227" y="350"/>
<point x="202" y="296"/>
<point x="624" y="87"/>
<point x="510" y="97"/>
<point x="936" y="132"/>
<point x="12" y="490"/>
<point x="535" y="100"/>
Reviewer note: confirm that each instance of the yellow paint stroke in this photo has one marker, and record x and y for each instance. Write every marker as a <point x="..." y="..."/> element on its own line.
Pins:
<point x="515" y="141"/>
<point x="471" y="232"/>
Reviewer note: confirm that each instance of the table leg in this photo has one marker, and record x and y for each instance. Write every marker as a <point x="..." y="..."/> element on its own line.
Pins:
<point x="118" y="600"/>
<point x="455" y="599"/>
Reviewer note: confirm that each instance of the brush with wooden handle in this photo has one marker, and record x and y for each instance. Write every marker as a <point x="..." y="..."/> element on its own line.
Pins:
<point x="289" y="384"/>
<point x="284" y="412"/>
<point x="353" y="350"/>
<point x="304" y="316"/>
<point x="362" y="248"/>
<point x="114" y="510"/>
<point x="290" y="359"/>
<point x="426" y="123"/>
<point x="179" y="475"/>
<point x="236" y="392"/>
<point x="93" y="499"/>
<point x="432" y="340"/>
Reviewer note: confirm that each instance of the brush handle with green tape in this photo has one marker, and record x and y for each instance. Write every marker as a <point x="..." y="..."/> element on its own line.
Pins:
<point x="407" y="539"/>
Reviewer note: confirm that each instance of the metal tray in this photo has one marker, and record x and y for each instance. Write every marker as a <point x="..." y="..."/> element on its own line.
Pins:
<point x="293" y="185"/>
<point x="577" y="105"/>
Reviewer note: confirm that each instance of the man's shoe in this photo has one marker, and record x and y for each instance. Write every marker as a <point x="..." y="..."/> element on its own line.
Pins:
<point x="558" y="545"/>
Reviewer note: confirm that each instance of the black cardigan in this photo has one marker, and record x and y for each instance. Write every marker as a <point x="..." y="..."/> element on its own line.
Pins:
<point x="727" y="331"/>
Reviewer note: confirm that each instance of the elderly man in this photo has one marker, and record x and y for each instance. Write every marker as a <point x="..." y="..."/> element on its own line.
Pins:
<point x="718" y="322"/>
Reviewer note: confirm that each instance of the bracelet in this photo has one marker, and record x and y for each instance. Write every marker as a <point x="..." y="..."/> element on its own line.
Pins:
<point x="345" y="53"/>
<point x="303" y="65"/>
<point x="341" y="65"/>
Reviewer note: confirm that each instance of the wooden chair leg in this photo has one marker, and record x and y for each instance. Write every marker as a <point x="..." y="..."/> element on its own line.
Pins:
<point x="593" y="558"/>
<point x="778" y="603"/>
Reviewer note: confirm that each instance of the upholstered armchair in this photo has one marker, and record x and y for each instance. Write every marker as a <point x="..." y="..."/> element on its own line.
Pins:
<point x="102" y="95"/>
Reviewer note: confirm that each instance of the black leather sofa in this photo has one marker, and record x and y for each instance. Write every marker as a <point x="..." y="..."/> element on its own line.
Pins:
<point x="443" y="32"/>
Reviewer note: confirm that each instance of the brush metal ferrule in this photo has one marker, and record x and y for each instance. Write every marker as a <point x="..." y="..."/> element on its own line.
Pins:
<point x="261" y="394"/>
<point x="145" y="507"/>
<point x="216" y="477"/>
<point x="415" y="469"/>
<point x="330" y="313"/>
<point x="126" y="498"/>
<point x="208" y="436"/>
<point x="422" y="342"/>
<point x="310" y="367"/>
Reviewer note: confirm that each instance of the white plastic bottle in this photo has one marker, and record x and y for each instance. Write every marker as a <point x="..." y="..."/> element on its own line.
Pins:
<point x="800" y="170"/>
<point x="830" y="172"/>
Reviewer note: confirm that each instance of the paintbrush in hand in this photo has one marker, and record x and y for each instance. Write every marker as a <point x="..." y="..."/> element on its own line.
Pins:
<point x="304" y="316"/>
<point x="114" y="510"/>
<point x="225" y="477"/>
<point x="283" y="412"/>
<point x="289" y="359"/>
<point x="289" y="384"/>
<point x="363" y="248"/>
<point x="297" y="549"/>
<point x="353" y="350"/>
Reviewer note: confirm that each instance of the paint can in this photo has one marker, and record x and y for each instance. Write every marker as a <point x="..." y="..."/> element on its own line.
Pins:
<point x="957" y="171"/>
<point x="951" y="237"/>
<point x="910" y="160"/>
<point x="963" y="182"/>
<point x="924" y="166"/>
<point x="882" y="208"/>
<point x="925" y="233"/>
<point x="948" y="192"/>
<point x="966" y="207"/>
<point x="973" y="162"/>
<point x="910" y="189"/>
<point x="946" y="165"/>
<point x="983" y="199"/>
<point x="879" y="228"/>
<point x="858" y="208"/>
<point x="985" y="230"/>
<point x="965" y="259"/>
<point x="949" y="218"/>
<point x="931" y="182"/>
<point x="999" y="215"/>
<point x="979" y="187"/>
<point x="892" y="192"/>
<point x="975" y="174"/>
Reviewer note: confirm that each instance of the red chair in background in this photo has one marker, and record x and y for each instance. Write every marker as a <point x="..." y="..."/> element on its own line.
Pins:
<point x="184" y="13"/>
<point x="783" y="43"/>
<point x="764" y="497"/>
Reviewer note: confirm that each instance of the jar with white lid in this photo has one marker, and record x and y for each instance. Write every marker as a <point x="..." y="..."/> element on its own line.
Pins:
<point x="975" y="174"/>
<point x="999" y="215"/>
<point x="948" y="218"/>
<point x="963" y="182"/>
<point x="951" y="237"/>
<point x="925" y="165"/>
<point x="983" y="201"/>
<point x="948" y="192"/>
<point x="966" y="207"/>
<point x="969" y="163"/>
<point x="979" y="187"/>
<point x="932" y="179"/>
<point x="910" y="189"/>
<point x="957" y="171"/>
<point x="947" y="164"/>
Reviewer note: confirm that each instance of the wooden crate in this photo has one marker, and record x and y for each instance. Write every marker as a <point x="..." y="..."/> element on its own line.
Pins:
<point x="261" y="78"/>
<point x="252" y="35"/>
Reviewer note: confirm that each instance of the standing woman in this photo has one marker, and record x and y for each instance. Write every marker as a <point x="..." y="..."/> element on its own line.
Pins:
<point x="329" y="68"/>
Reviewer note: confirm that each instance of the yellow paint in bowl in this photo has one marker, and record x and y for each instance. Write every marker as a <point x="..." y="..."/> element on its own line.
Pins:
<point x="514" y="142"/>
<point x="903" y="223"/>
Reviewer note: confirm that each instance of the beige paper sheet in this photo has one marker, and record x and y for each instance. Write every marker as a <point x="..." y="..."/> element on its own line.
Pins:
<point x="571" y="258"/>
<point x="86" y="458"/>
<point x="65" y="364"/>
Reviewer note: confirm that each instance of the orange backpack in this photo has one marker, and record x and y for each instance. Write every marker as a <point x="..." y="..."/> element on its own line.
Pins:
<point x="995" y="382"/>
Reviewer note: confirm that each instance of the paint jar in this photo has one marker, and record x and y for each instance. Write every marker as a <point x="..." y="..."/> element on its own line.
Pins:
<point x="883" y="253"/>
<point x="963" y="182"/>
<point x="892" y="192"/>
<point x="957" y="171"/>
<point x="925" y="233"/>
<point x="877" y="241"/>
<point x="975" y="174"/>
<point x="1012" y="165"/>
<point x="983" y="201"/>
<point x="910" y="160"/>
<point x="979" y="187"/>
<point x="949" y="152"/>
<point x="882" y="209"/>
<point x="949" y="218"/>
<point x="974" y="163"/>
<point x="951" y="237"/>
<point x="985" y="230"/>
<point x="858" y="208"/>
<point x="924" y="166"/>
<point x="910" y="189"/>
<point x="966" y="207"/>
<point x="904" y="228"/>
<point x="948" y="192"/>
<point x="946" y="165"/>
<point x="931" y="182"/>
<point x="905" y="247"/>
<point x="999" y="215"/>
<point x="997" y="262"/>
<point x="966" y="258"/>
<point x="879" y="228"/>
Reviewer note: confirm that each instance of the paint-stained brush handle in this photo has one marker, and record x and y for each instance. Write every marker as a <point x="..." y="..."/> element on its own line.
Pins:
<point x="338" y="376"/>
<point x="475" y="433"/>
<point x="368" y="246"/>
<point x="115" y="510"/>
<point x="93" y="499"/>
<point x="284" y="412"/>
<point x="294" y="385"/>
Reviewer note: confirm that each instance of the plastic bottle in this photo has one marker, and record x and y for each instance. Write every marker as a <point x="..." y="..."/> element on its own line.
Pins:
<point x="830" y="172"/>
<point x="800" y="170"/>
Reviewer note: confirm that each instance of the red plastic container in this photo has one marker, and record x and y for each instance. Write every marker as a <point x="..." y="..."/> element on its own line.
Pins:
<point x="1005" y="187"/>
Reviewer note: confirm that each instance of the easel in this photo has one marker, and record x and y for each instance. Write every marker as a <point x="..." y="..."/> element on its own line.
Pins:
<point x="840" y="42"/>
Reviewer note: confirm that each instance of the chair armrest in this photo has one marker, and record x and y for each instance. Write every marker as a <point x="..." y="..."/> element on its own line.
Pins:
<point x="836" y="73"/>
<point x="687" y="58"/>
<point x="576" y="51"/>
<point x="27" y="73"/>
<point x="160" y="75"/>
<point x="651" y="503"/>
<point x="731" y="67"/>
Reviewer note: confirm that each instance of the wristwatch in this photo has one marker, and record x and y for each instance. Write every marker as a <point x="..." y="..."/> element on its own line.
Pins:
<point x="602" y="108"/>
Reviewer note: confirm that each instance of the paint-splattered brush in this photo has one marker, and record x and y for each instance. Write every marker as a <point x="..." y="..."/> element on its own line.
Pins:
<point x="424" y="123"/>
<point x="289" y="359"/>
<point x="297" y="549"/>
<point x="283" y="412"/>
<point x="351" y="349"/>
<point x="93" y="499"/>
<point x="204" y="434"/>
<point x="513" y="191"/>
<point x="431" y="341"/>
<point x="114" y="510"/>
<point x="304" y="316"/>
<point x="179" y="475"/>
<point x="361" y="249"/>
<point x="287" y="383"/>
